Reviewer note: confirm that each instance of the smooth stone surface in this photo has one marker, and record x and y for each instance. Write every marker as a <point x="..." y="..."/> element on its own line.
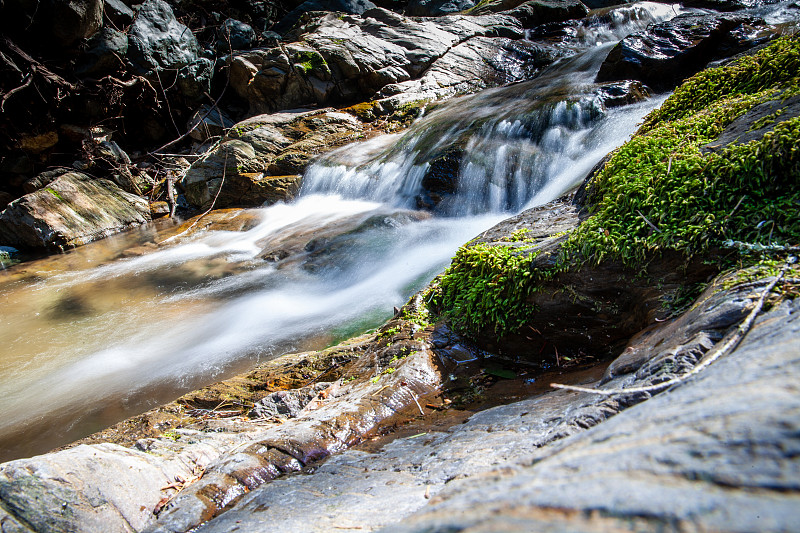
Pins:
<point x="668" y="52"/>
<point x="158" y="41"/>
<point x="69" y="211"/>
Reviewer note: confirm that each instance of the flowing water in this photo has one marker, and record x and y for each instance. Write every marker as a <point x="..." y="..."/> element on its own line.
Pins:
<point x="116" y="327"/>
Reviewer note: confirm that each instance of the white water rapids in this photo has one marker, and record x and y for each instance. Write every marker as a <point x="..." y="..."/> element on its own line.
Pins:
<point x="90" y="337"/>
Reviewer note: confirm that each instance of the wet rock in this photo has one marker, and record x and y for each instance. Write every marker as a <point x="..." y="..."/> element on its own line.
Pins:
<point x="668" y="52"/>
<point x="235" y="35"/>
<point x="71" y="210"/>
<point x="288" y="403"/>
<point x="622" y="93"/>
<point x="105" y="53"/>
<point x="73" y="20"/>
<point x="536" y="12"/>
<point x="262" y="157"/>
<point x="158" y="41"/>
<point x="437" y="8"/>
<point x="333" y="251"/>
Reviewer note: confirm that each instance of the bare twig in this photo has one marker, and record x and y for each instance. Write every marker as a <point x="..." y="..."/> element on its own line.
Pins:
<point x="27" y="81"/>
<point x="717" y="352"/>
<point x="650" y="223"/>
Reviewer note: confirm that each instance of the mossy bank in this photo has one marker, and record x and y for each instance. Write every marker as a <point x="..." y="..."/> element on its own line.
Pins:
<point x="709" y="180"/>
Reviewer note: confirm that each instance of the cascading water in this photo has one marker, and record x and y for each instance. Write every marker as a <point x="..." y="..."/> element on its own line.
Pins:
<point x="85" y="345"/>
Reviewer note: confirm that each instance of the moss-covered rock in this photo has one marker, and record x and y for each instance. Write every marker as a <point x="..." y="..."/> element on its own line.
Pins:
<point x="656" y="218"/>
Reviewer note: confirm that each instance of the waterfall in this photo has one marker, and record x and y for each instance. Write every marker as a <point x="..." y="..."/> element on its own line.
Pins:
<point x="90" y="338"/>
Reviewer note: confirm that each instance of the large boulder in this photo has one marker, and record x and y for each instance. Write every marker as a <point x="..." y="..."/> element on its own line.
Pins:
<point x="261" y="158"/>
<point x="103" y="54"/>
<point x="351" y="7"/>
<point x="668" y="52"/>
<point x="159" y="41"/>
<point x="69" y="211"/>
<point x="349" y="58"/>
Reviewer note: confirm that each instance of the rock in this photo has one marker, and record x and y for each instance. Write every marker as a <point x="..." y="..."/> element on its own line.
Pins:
<point x="288" y="403"/>
<point x="263" y="156"/>
<point x="73" y="20"/>
<point x="118" y="14"/>
<point x="158" y="41"/>
<point x="667" y="52"/>
<point x="43" y="179"/>
<point x="194" y="80"/>
<point x="159" y="209"/>
<point x="8" y="256"/>
<point x="5" y="199"/>
<point x="716" y="442"/>
<point x="71" y="210"/>
<point x="725" y="5"/>
<point x="622" y="93"/>
<point x="437" y="8"/>
<point x="104" y="54"/>
<point x="35" y="144"/>
<point x="235" y="35"/>
<point x="350" y="57"/>
<point x="536" y="12"/>
<point x="352" y="7"/>
<point x="210" y="122"/>
<point x="758" y="121"/>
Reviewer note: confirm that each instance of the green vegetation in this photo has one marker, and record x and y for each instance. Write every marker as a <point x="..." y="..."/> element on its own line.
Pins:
<point x="53" y="192"/>
<point x="310" y="61"/>
<point x="661" y="191"/>
<point x="487" y="285"/>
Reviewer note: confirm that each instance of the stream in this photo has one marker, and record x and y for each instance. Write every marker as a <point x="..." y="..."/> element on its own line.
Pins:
<point x="117" y="327"/>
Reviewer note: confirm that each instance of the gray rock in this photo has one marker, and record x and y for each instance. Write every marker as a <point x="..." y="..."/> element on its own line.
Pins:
<point x="235" y="35"/>
<point x="437" y="8"/>
<point x="536" y="12"/>
<point x="341" y="58"/>
<point x="73" y="20"/>
<point x="158" y="41"/>
<point x="287" y="403"/>
<point x="668" y="52"/>
<point x="209" y="122"/>
<point x="352" y="7"/>
<point x="716" y="453"/>
<point x="105" y="53"/>
<point x="71" y="210"/>
<point x="262" y="157"/>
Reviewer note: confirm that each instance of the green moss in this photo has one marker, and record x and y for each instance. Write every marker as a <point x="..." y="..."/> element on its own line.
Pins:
<point x="661" y="191"/>
<point x="310" y="62"/>
<point x="487" y="286"/>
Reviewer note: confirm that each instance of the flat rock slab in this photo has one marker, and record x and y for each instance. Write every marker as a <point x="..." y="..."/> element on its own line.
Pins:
<point x="71" y="210"/>
<point x="716" y="453"/>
